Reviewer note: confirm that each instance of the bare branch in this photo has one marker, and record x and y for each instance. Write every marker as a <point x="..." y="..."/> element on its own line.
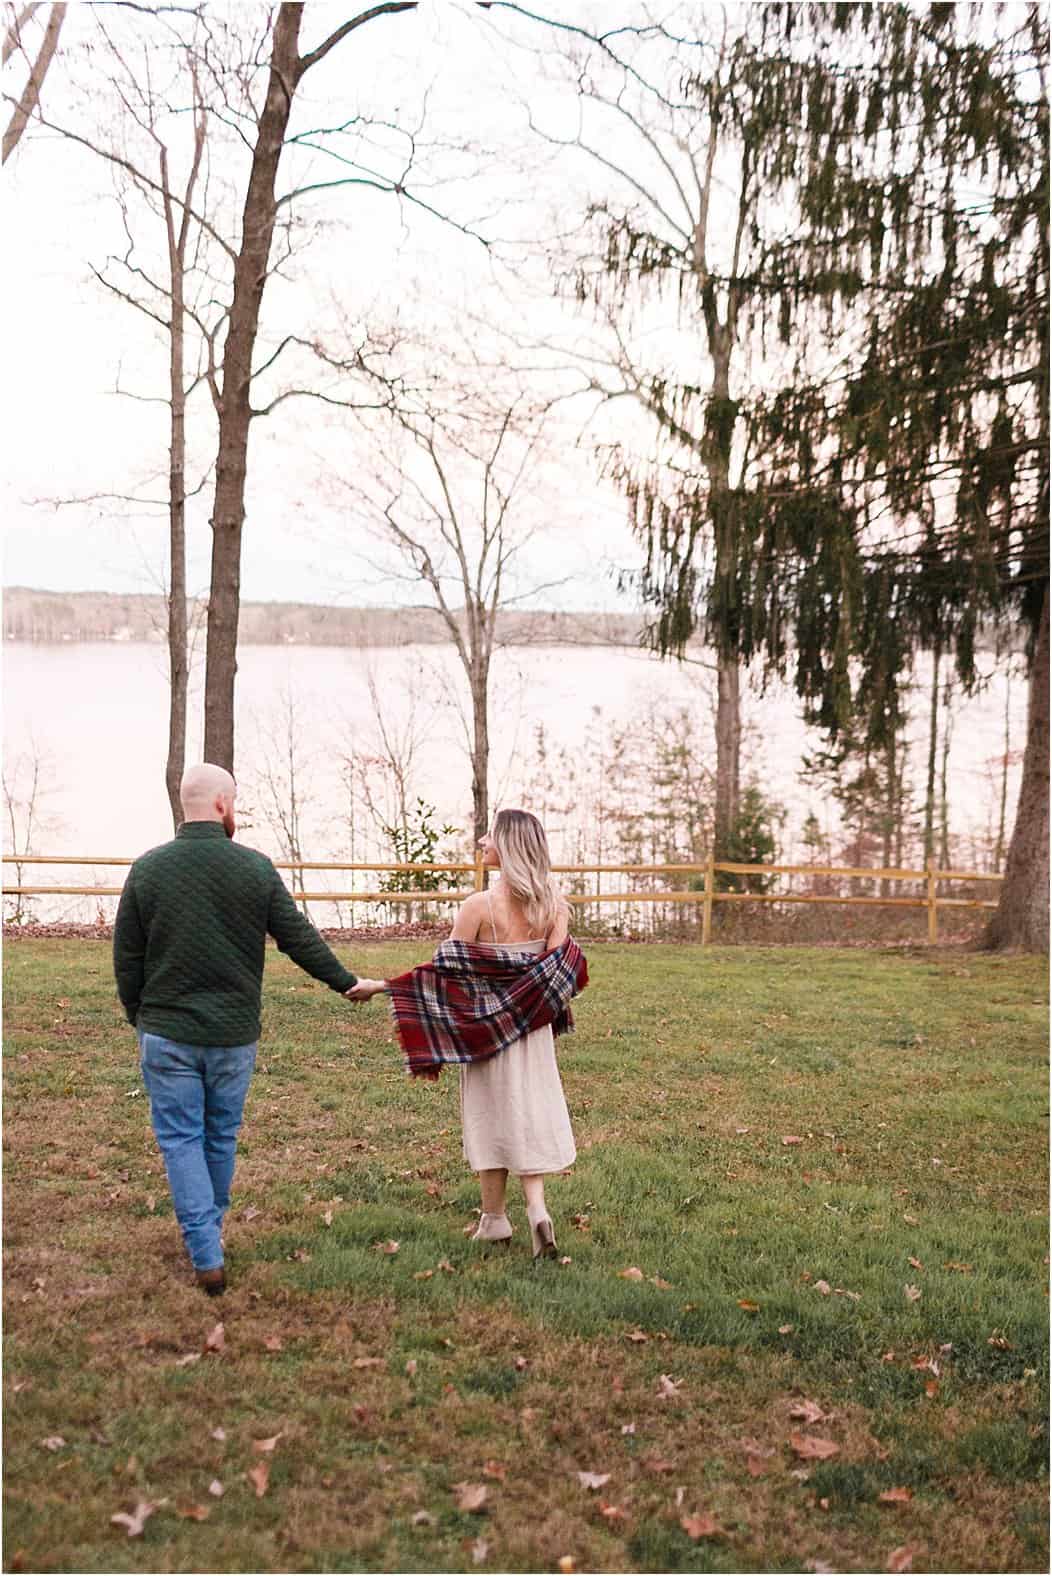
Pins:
<point x="388" y="8"/>
<point x="31" y="95"/>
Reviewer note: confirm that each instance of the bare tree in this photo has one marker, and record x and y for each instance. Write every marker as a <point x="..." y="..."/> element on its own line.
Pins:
<point x="281" y="783"/>
<point x="25" y="105"/>
<point x="25" y="784"/>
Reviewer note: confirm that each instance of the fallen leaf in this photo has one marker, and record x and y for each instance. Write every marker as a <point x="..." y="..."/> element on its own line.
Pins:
<point x="495" y="1469"/>
<point x="327" y="1218"/>
<point x="266" y="1447"/>
<point x="520" y="1363"/>
<point x="53" y="1442"/>
<point x="662" y="1285"/>
<point x="785" y="1329"/>
<point x="999" y="1340"/>
<point x="612" y="1513"/>
<point x="151" y="1203"/>
<point x="251" y="1213"/>
<point x="470" y="1496"/>
<point x="637" y="1336"/>
<point x="807" y="1412"/>
<point x="912" y="1293"/>
<point x="917" y="1265"/>
<point x="136" y="1521"/>
<point x="901" y="1559"/>
<point x="479" y="1550"/>
<point x="369" y="1362"/>
<point x="410" y="1368"/>
<point x="792" y="1139"/>
<point x="193" y="1512"/>
<point x="216" y="1489"/>
<point x="219" y="1435"/>
<point x="911" y="1220"/>
<point x="423" y="1274"/>
<point x="632" y="1273"/>
<point x="273" y="1343"/>
<point x="259" y="1477"/>
<point x="895" y="1496"/>
<point x="443" y="1264"/>
<point x="741" y="1131"/>
<point x="422" y="1518"/>
<point x="657" y="1464"/>
<point x="191" y="1357"/>
<point x="667" y="1388"/>
<point x="931" y="1388"/>
<point x="747" y="1306"/>
<point x="216" y="1340"/>
<point x="565" y="1259"/>
<point x="628" y="1428"/>
<point x="962" y="1269"/>
<point x="593" y="1480"/>
<point x="809" y="1448"/>
<point x="755" y="1465"/>
<point x="389" y="1247"/>
<point x="703" y="1526"/>
<point x="299" y="1256"/>
<point x="824" y="1287"/>
<point x="567" y="1564"/>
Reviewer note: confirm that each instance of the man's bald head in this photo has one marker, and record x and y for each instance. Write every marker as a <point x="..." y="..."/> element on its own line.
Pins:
<point x="207" y="793"/>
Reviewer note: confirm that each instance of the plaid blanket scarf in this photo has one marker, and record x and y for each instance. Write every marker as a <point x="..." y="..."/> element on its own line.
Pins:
<point x="470" y="1002"/>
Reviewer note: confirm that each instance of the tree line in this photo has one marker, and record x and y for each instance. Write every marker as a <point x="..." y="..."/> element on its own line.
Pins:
<point x="833" y="215"/>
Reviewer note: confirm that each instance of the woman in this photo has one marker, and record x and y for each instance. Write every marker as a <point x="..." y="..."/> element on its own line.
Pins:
<point x="494" y="1003"/>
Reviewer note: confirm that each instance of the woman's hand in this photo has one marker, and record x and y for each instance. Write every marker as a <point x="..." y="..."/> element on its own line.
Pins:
<point x="364" y="989"/>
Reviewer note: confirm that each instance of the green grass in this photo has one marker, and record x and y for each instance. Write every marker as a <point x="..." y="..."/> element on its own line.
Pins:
<point x="917" y="1085"/>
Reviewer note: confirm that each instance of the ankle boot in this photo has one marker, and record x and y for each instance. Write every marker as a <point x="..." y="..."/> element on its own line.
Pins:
<point x="492" y="1228"/>
<point x="543" y="1235"/>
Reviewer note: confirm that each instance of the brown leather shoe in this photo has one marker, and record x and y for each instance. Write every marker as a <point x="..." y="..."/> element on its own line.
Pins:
<point x="212" y="1281"/>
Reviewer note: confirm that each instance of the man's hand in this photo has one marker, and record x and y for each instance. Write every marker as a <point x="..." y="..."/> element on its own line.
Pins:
<point x="364" y="989"/>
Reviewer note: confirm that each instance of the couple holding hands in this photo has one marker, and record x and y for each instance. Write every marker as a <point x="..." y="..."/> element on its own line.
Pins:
<point x="189" y="944"/>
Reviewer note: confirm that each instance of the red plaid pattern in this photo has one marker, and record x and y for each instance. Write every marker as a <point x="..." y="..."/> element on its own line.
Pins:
<point x="470" y="1002"/>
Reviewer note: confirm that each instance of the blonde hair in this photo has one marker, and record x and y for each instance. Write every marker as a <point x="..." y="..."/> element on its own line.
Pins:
<point x="526" y="866"/>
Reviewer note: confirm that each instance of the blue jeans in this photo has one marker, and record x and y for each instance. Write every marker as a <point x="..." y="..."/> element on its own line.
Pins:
<point x="197" y="1096"/>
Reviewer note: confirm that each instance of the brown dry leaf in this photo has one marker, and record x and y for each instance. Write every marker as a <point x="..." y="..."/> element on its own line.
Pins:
<point x="299" y="1256"/>
<point x="410" y="1368"/>
<point x="628" y="1428"/>
<point x="810" y="1448"/>
<point x="668" y="1389"/>
<point x="567" y="1564"/>
<point x="219" y="1435"/>
<point x="327" y="1218"/>
<point x="565" y="1259"/>
<point x="389" y="1246"/>
<point x="657" y="1464"/>
<point x="824" y="1287"/>
<point x="593" y="1480"/>
<point x="785" y="1329"/>
<point x="931" y="1387"/>
<point x="1000" y="1341"/>
<point x="193" y="1512"/>
<point x="265" y="1447"/>
<point x="637" y="1336"/>
<point x="962" y="1269"/>
<point x="273" y="1343"/>
<point x="495" y="1469"/>
<point x="912" y="1293"/>
<point x="791" y="1138"/>
<point x="216" y="1340"/>
<point x="259" y="1477"/>
<point x="423" y="1274"/>
<point x="895" y="1496"/>
<point x="470" y="1496"/>
<point x="136" y="1521"/>
<point x="479" y="1549"/>
<point x="901" y="1559"/>
<point x="702" y="1526"/>
<point x="755" y="1465"/>
<point x="916" y="1263"/>
<point x="53" y="1442"/>
<point x="369" y="1362"/>
<point x="444" y="1264"/>
<point x="632" y="1273"/>
<point x="807" y="1412"/>
<point x="662" y="1285"/>
<point x="422" y="1518"/>
<point x="251" y="1213"/>
<point x="151" y="1203"/>
<point x="612" y="1513"/>
<point x="190" y="1357"/>
<point x="911" y="1220"/>
<point x="520" y="1363"/>
<point x="216" y="1489"/>
<point x="747" y="1305"/>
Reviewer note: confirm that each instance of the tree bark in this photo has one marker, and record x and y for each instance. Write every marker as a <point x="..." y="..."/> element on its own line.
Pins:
<point x="31" y="94"/>
<point x="1021" y="919"/>
<point x="479" y="678"/>
<point x="728" y="752"/>
<point x="933" y="750"/>
<point x="235" y="413"/>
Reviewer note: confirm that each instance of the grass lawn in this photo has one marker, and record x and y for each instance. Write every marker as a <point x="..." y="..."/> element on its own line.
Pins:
<point x="888" y="1267"/>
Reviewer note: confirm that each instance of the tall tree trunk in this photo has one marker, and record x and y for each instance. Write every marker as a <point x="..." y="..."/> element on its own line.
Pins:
<point x="944" y="771"/>
<point x="1021" y="919"/>
<point x="31" y="93"/>
<point x="719" y="434"/>
<point x="728" y="752"/>
<point x="999" y="851"/>
<point x="235" y="414"/>
<point x="933" y="748"/>
<point x="479" y="678"/>
<point x="178" y="675"/>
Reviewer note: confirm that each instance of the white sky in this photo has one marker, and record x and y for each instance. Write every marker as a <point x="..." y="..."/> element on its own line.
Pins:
<point x="67" y="344"/>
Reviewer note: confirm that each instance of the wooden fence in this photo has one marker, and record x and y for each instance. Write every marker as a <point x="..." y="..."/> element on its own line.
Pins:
<point x="706" y="894"/>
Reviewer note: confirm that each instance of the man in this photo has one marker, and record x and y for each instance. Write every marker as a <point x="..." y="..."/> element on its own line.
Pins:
<point x="188" y="950"/>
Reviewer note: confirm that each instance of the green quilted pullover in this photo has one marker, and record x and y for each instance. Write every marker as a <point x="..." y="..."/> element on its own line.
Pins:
<point x="190" y="938"/>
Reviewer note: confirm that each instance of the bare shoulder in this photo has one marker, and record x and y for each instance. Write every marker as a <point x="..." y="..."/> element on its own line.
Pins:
<point x="470" y="916"/>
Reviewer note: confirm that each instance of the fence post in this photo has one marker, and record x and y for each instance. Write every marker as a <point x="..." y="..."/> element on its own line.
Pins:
<point x="933" y="912"/>
<point x="706" y="912"/>
<point x="478" y="870"/>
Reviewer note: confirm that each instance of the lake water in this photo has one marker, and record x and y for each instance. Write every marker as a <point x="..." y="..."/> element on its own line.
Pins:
<point x="95" y="717"/>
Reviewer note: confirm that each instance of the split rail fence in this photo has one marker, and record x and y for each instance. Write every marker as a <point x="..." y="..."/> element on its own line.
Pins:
<point x="707" y="894"/>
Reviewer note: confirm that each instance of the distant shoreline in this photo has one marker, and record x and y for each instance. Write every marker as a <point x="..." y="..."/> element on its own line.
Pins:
<point x="77" y="617"/>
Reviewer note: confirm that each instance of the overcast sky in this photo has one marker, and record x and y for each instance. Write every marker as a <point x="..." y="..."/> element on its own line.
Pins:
<point x="68" y="345"/>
